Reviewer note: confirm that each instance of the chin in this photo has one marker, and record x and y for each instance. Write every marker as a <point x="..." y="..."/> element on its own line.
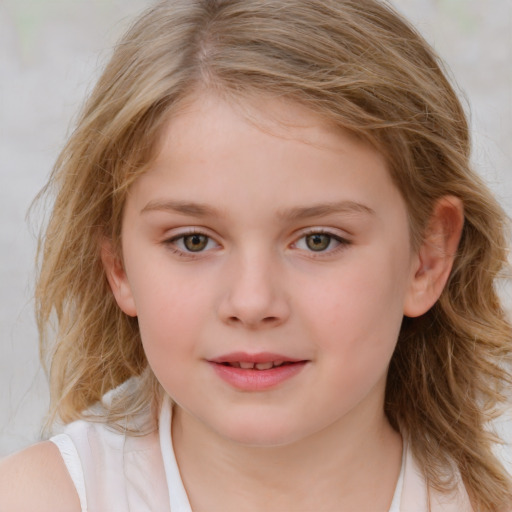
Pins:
<point x="261" y="432"/>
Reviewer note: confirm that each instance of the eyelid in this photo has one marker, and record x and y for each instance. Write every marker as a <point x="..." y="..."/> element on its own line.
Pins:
<point x="170" y="241"/>
<point x="336" y="234"/>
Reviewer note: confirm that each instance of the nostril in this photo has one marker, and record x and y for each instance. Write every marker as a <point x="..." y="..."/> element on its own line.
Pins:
<point x="268" y="320"/>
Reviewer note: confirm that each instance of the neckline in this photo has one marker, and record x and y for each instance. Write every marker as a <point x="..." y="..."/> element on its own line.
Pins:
<point x="178" y="499"/>
<point x="397" y="496"/>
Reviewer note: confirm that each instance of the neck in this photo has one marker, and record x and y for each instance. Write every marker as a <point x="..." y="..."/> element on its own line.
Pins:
<point x="359" y="474"/>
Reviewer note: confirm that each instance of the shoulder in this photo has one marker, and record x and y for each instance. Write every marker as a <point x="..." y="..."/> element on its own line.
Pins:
<point x="37" y="479"/>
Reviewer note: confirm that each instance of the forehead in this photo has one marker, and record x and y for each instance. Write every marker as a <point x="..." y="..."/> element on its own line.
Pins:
<point x="274" y="152"/>
<point x="207" y="113"/>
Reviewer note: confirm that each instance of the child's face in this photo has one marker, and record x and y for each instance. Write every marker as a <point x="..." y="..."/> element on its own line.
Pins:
<point x="288" y="243"/>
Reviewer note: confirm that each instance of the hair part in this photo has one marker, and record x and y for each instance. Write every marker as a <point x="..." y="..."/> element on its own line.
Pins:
<point x="361" y="67"/>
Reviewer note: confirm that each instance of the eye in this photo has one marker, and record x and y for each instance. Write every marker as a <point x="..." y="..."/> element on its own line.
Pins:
<point x="195" y="243"/>
<point x="192" y="243"/>
<point x="320" y="241"/>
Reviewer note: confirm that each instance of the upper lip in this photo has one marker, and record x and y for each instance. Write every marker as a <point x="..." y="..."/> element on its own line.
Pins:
<point x="260" y="357"/>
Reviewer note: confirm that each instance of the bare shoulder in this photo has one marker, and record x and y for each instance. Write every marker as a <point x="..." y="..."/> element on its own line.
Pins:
<point x="37" y="479"/>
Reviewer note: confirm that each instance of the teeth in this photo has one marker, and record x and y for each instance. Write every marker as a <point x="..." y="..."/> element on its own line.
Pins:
<point x="264" y="366"/>
<point x="258" y="366"/>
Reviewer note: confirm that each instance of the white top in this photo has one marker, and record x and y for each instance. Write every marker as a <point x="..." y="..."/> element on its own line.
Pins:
<point x="113" y="472"/>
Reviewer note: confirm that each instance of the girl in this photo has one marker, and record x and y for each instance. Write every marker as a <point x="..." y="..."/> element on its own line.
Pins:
<point x="272" y="275"/>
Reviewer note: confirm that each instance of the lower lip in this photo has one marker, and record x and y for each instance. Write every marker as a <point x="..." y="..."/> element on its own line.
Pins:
<point x="257" y="380"/>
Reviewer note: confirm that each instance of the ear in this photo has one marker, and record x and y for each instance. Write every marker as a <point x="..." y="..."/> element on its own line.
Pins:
<point x="435" y="257"/>
<point x="117" y="278"/>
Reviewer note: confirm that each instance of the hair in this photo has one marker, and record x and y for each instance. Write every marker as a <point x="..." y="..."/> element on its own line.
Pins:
<point x="362" y="67"/>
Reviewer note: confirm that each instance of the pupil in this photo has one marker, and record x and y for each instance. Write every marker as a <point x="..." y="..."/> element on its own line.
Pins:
<point x="318" y="242"/>
<point x="195" y="242"/>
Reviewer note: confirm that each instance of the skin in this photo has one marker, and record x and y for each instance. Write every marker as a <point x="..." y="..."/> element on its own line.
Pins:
<point x="254" y="188"/>
<point x="251" y="185"/>
<point x="36" y="479"/>
<point x="256" y="287"/>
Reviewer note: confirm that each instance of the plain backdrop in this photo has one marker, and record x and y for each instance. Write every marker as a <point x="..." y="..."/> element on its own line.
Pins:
<point x="50" y="53"/>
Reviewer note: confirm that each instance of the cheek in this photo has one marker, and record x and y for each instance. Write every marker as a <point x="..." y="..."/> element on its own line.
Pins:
<point x="358" y="311"/>
<point x="171" y="313"/>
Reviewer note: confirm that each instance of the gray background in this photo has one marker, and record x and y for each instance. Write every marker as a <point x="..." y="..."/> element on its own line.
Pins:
<point x="50" y="52"/>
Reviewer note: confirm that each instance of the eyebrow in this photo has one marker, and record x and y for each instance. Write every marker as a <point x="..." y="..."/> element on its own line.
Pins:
<point x="297" y="213"/>
<point x="323" y="209"/>
<point x="184" y="207"/>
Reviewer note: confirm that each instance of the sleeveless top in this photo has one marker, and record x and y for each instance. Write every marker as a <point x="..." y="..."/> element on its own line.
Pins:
<point x="114" y="472"/>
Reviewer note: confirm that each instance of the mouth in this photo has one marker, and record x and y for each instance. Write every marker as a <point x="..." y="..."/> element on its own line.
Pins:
<point x="246" y="365"/>
<point x="259" y="361"/>
<point x="256" y="372"/>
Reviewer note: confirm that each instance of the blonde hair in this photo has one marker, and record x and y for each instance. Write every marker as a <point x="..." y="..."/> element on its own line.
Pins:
<point x="360" y="66"/>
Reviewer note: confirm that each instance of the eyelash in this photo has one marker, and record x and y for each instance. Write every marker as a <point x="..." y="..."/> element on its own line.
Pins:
<point x="342" y="243"/>
<point x="172" y="243"/>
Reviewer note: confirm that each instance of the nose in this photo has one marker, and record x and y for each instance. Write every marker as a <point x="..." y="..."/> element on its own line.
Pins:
<point x="254" y="296"/>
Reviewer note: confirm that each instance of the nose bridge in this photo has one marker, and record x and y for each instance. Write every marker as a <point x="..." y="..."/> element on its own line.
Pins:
<point x="254" y="296"/>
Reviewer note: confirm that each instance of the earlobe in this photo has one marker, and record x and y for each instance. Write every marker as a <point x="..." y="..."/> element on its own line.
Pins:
<point x="117" y="278"/>
<point x="435" y="257"/>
